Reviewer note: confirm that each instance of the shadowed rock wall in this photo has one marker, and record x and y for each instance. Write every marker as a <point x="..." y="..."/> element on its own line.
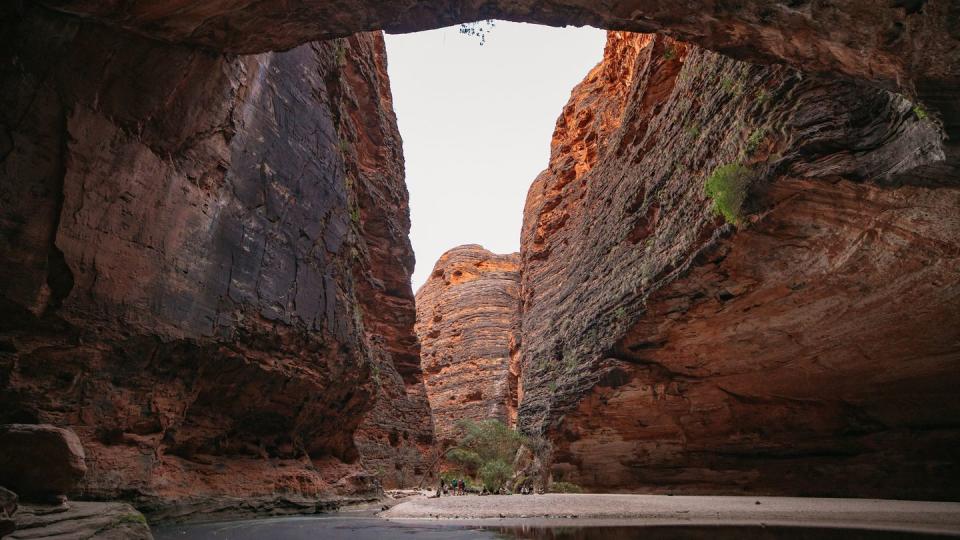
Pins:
<point x="197" y="254"/>
<point x="811" y="350"/>
<point x="905" y="44"/>
<point x="467" y="320"/>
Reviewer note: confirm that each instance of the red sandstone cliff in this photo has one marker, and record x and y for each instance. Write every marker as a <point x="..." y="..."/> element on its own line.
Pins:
<point x="204" y="257"/>
<point x="467" y="319"/>
<point x="813" y="349"/>
<point x="205" y="265"/>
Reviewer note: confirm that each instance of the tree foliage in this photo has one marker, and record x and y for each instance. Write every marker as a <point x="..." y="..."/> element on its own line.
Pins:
<point x="486" y="451"/>
<point x="495" y="474"/>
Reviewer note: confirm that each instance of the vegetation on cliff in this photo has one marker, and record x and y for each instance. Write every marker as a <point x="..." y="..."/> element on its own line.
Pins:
<point x="727" y="186"/>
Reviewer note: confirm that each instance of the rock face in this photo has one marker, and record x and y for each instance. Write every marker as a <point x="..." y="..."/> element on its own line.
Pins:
<point x="205" y="263"/>
<point x="100" y="521"/>
<point x="8" y="502"/>
<point x="8" y="507"/>
<point x="467" y="321"/>
<point x="40" y="461"/>
<point x="811" y="349"/>
<point x="903" y="43"/>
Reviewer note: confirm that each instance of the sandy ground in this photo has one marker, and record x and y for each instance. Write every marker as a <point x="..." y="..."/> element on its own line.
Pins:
<point x="699" y="510"/>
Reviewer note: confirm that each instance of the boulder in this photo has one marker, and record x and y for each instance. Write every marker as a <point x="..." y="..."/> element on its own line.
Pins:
<point x="8" y="502"/>
<point x="40" y="461"/>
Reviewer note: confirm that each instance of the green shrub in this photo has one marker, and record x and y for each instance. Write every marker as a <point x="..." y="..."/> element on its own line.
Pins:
<point x="494" y="474"/>
<point x="569" y="361"/>
<point x="484" y="442"/>
<point x="693" y="130"/>
<point x="920" y="112"/>
<point x="375" y="374"/>
<point x="565" y="487"/>
<point x="727" y="186"/>
<point x="754" y="140"/>
<point x="669" y="54"/>
<point x="731" y="86"/>
<point x="466" y="459"/>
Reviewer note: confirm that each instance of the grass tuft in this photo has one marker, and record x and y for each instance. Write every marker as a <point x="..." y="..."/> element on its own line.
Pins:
<point x="130" y="519"/>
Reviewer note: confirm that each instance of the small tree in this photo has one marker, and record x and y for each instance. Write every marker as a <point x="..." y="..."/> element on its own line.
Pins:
<point x="494" y="474"/>
<point x="486" y="450"/>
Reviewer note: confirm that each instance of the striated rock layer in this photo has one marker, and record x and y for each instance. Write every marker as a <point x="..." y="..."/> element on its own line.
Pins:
<point x="87" y="520"/>
<point x="467" y="321"/>
<point x="205" y="265"/>
<point x="812" y="349"/>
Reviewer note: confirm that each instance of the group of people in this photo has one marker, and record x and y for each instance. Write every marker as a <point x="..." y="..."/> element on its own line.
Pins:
<point x="459" y="487"/>
<point x="455" y="487"/>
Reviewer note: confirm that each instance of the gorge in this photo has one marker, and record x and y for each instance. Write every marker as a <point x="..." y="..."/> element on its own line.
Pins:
<point x="206" y="264"/>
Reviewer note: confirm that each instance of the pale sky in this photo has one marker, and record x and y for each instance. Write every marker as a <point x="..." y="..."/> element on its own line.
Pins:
<point x="476" y="123"/>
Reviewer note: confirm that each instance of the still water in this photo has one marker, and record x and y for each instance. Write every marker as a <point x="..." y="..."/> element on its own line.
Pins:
<point x="345" y="528"/>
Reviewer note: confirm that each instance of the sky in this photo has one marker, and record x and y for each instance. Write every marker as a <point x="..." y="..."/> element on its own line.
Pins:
<point x="476" y="122"/>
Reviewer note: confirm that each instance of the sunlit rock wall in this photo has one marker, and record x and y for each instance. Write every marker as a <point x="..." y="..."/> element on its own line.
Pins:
<point x="812" y="349"/>
<point x="467" y="321"/>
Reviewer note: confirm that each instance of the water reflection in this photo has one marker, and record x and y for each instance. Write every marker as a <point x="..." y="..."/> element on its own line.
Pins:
<point x="693" y="532"/>
<point x="339" y="528"/>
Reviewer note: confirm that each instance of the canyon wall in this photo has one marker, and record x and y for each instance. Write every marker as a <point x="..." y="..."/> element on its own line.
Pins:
<point x="809" y="348"/>
<point x="204" y="262"/>
<point x="205" y="266"/>
<point x="467" y="321"/>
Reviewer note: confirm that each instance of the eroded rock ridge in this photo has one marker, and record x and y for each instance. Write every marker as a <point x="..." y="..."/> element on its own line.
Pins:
<point x="468" y="321"/>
